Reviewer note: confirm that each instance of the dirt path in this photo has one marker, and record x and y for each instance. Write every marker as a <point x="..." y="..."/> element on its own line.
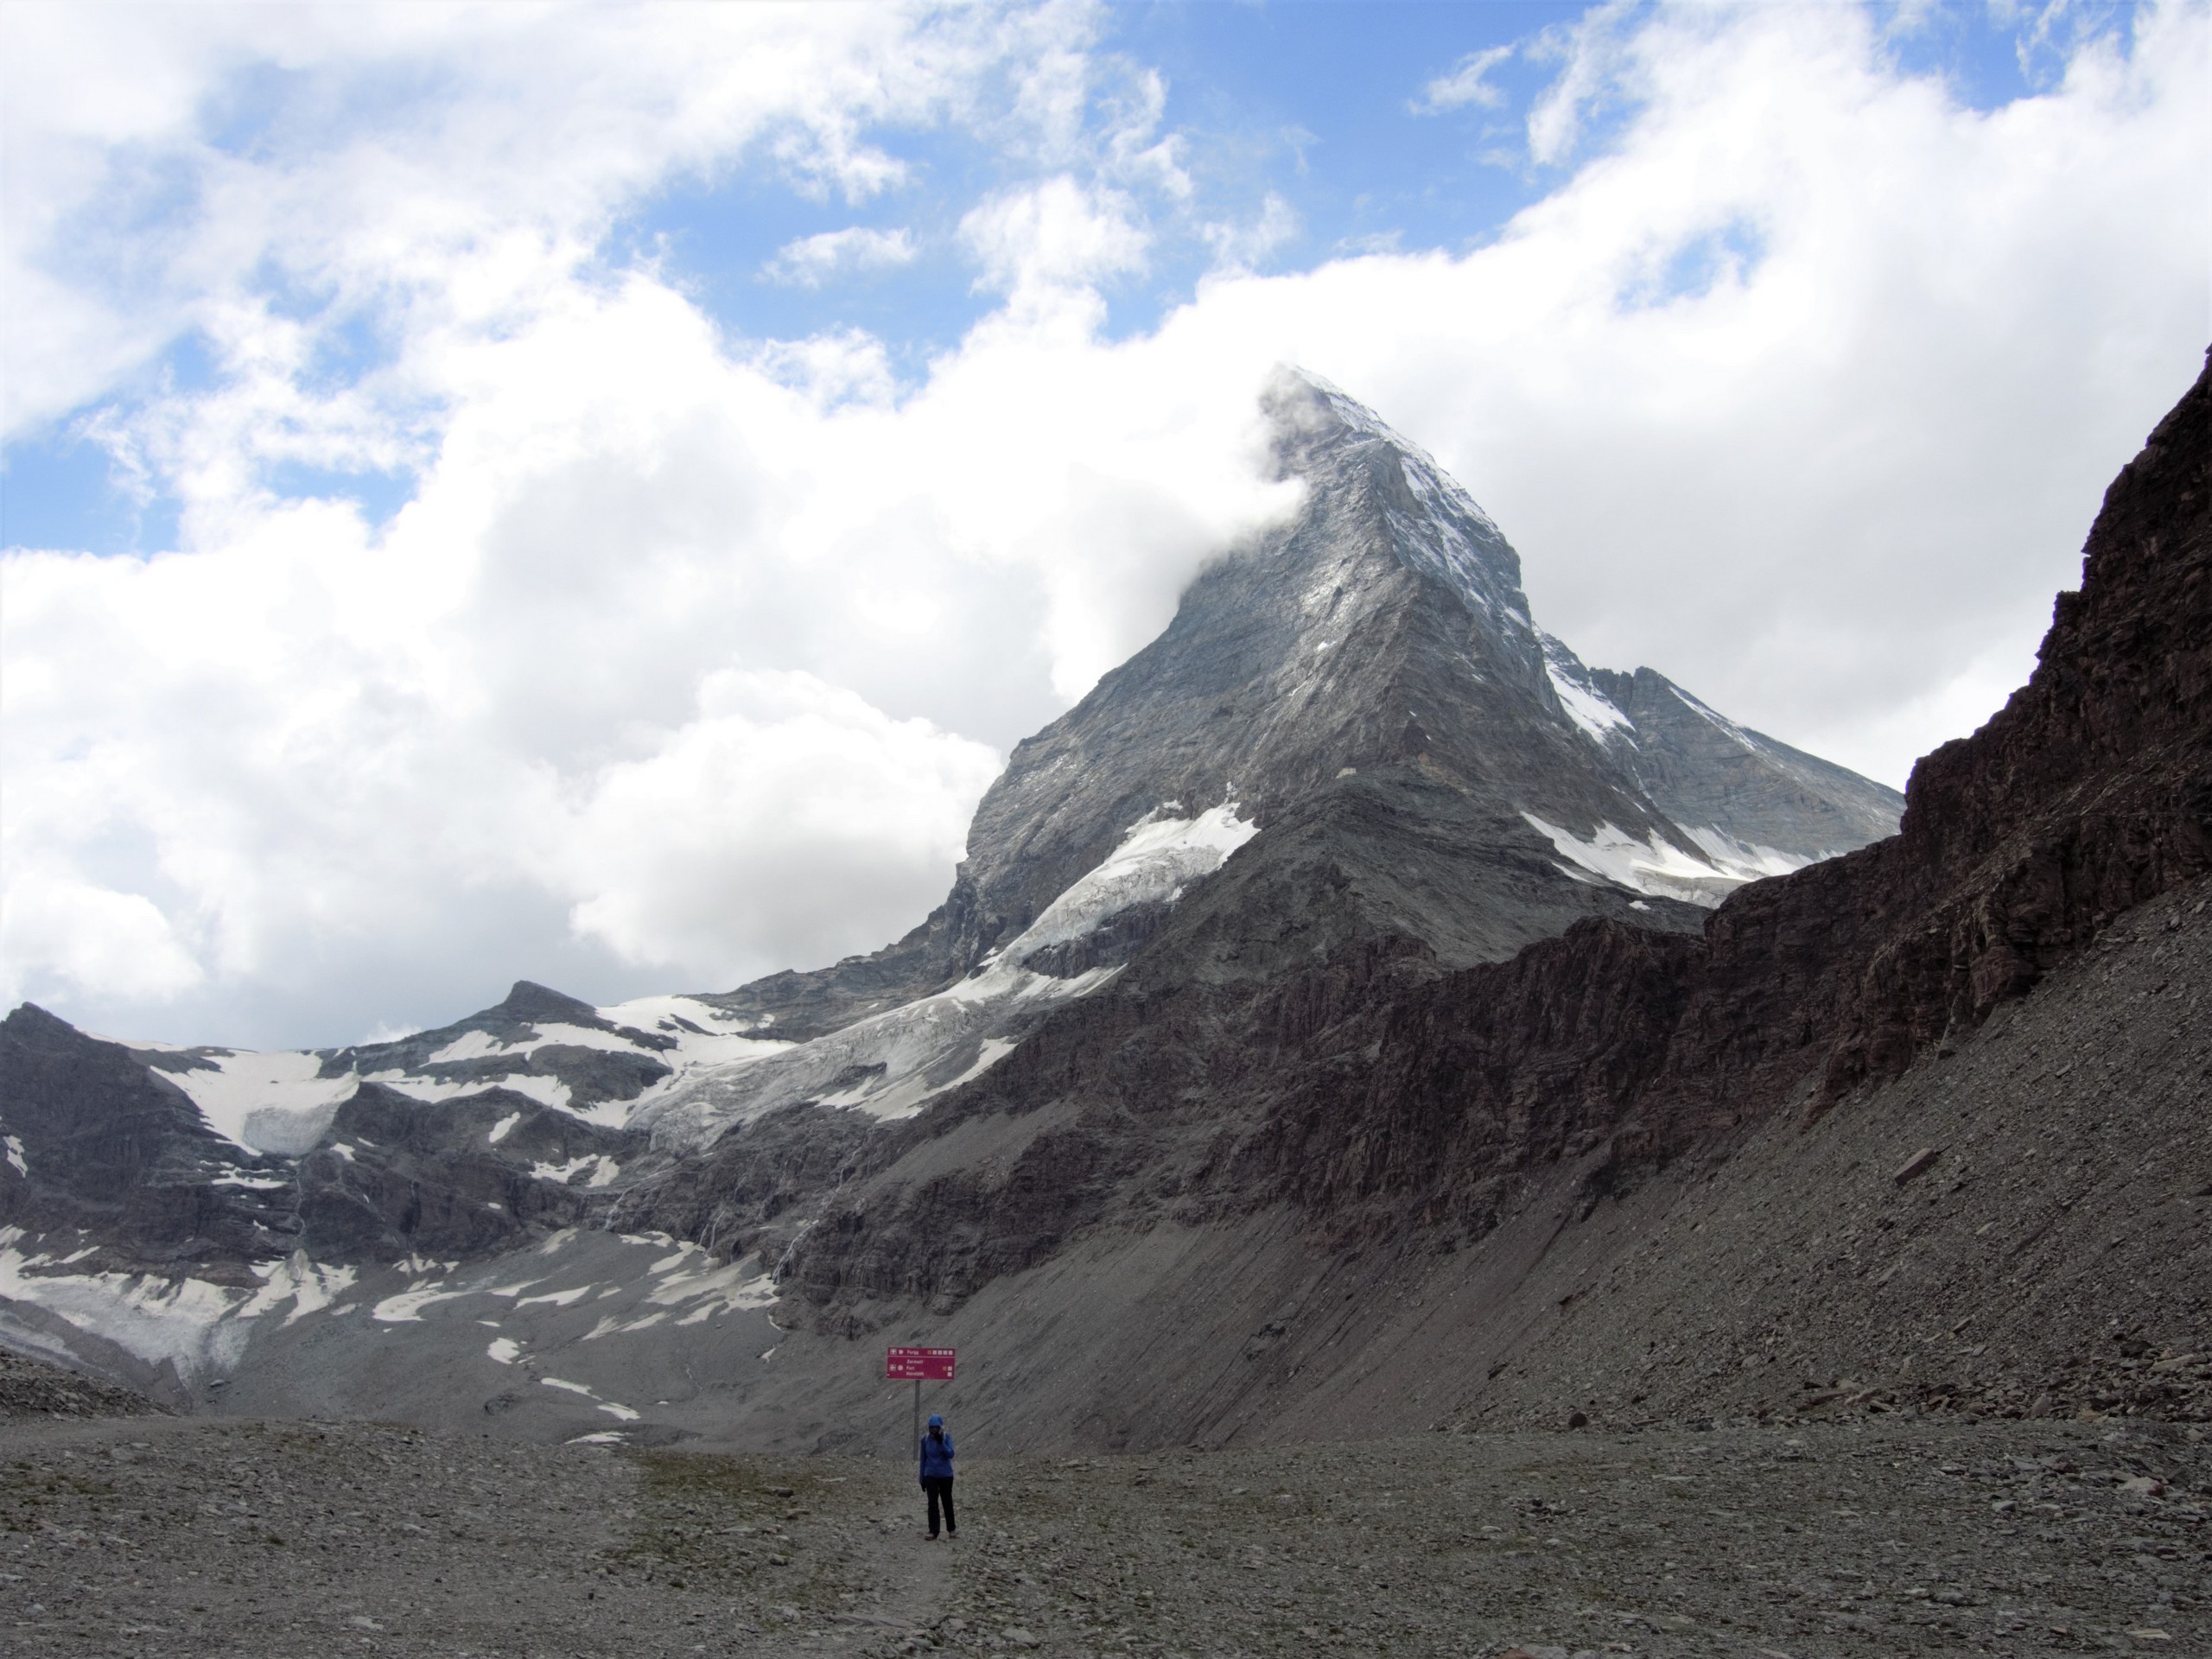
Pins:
<point x="165" y="1536"/>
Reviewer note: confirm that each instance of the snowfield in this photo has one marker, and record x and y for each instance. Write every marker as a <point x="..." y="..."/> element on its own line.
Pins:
<point x="199" y="1328"/>
<point x="574" y="1288"/>
<point x="1660" y="868"/>
<point x="892" y="1063"/>
<point x="257" y="1099"/>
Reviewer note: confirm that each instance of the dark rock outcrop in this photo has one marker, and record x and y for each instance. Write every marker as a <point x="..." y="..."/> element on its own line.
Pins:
<point x="99" y="1143"/>
<point x="113" y="1151"/>
<point x="396" y="1176"/>
<point x="591" y="1075"/>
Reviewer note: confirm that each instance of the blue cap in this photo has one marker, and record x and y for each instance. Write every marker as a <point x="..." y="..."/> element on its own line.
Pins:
<point x="935" y="1421"/>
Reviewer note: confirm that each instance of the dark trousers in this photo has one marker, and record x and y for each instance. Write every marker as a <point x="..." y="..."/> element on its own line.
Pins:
<point x="939" y="1487"/>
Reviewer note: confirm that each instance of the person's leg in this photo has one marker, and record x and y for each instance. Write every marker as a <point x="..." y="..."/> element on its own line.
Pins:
<point x="951" y="1527"/>
<point x="931" y="1486"/>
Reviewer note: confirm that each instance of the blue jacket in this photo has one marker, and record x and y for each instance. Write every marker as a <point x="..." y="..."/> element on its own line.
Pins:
<point x="937" y="1456"/>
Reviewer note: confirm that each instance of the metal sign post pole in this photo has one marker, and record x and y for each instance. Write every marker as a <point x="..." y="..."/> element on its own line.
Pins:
<point x="914" y="1445"/>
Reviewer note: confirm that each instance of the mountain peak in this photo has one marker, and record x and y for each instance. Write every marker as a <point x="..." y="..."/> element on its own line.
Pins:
<point x="1302" y="404"/>
<point x="529" y="1000"/>
<point x="1354" y="462"/>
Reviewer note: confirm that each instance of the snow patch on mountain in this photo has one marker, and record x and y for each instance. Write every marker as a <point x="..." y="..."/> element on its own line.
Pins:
<point x="892" y="1063"/>
<point x="280" y="1101"/>
<point x="305" y="1286"/>
<point x="1579" y="696"/>
<point x="889" y="1064"/>
<point x="198" y="1327"/>
<point x="1159" y="857"/>
<point x="1649" y="865"/>
<point x="717" y="1289"/>
<point x="692" y="1043"/>
<point x="599" y="1170"/>
<point x="1586" y="708"/>
<point x="1663" y="870"/>
<point x="693" y="1025"/>
<point x="406" y="1308"/>
<point x="252" y="1099"/>
<point x="1749" y="859"/>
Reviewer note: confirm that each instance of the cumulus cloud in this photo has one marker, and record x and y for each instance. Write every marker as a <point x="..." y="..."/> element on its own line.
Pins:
<point x="735" y="825"/>
<point x="689" y="655"/>
<point x="452" y="163"/>
<point x="810" y="261"/>
<point x="1055" y="236"/>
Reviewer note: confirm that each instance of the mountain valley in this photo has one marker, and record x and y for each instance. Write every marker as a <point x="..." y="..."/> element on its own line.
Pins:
<point x="1357" y="1017"/>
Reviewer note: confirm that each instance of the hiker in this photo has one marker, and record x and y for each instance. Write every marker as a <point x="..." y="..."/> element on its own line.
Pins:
<point x="937" y="1474"/>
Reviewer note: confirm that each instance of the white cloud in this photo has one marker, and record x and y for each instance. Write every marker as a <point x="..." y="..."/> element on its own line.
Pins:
<point x="101" y="943"/>
<point x="1596" y="52"/>
<point x="812" y="260"/>
<point x="1240" y="246"/>
<point x="1468" y="83"/>
<point x="686" y="658"/>
<point x="1046" y="238"/>
<point x="454" y="163"/>
<point x="666" y="659"/>
<point x="781" y="789"/>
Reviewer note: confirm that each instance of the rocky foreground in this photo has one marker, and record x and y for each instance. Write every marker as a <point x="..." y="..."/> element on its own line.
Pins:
<point x="153" y="1535"/>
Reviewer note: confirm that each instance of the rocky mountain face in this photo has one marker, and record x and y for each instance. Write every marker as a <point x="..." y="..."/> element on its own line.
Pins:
<point x="1370" y="1100"/>
<point x="1362" y="696"/>
<point x="1381" y="630"/>
<point x="1354" y="975"/>
<point x="1312" y="1149"/>
<point x="1705" y="771"/>
<point x="127" y="1162"/>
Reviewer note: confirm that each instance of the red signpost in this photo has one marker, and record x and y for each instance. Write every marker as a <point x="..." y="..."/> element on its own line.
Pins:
<point x="921" y="1365"/>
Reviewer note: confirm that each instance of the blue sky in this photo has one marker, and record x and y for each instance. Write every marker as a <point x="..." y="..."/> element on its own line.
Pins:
<point x="592" y="493"/>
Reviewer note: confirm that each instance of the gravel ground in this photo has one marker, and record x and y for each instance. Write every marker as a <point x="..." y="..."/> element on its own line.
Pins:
<point x="1891" y="1539"/>
<point x="154" y="1536"/>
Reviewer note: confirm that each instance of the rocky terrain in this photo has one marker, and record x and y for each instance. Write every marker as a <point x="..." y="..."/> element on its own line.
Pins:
<point x="2020" y="1228"/>
<point x="1795" y="1539"/>
<point x="31" y="1388"/>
